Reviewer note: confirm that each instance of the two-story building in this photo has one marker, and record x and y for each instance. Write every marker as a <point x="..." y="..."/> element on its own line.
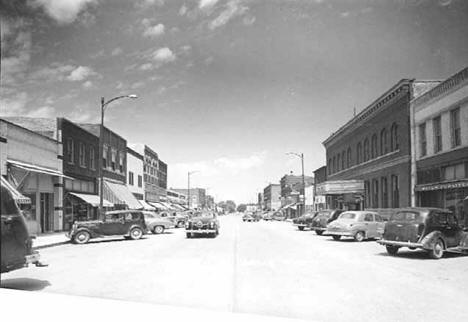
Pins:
<point x="272" y="197"/>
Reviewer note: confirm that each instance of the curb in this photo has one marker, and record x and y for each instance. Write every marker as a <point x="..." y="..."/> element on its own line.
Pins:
<point x="51" y="245"/>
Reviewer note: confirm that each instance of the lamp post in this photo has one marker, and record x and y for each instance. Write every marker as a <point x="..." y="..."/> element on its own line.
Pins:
<point x="301" y="156"/>
<point x="104" y="105"/>
<point x="188" y="185"/>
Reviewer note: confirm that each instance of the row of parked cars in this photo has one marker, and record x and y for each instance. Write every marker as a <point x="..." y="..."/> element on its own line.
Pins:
<point x="431" y="229"/>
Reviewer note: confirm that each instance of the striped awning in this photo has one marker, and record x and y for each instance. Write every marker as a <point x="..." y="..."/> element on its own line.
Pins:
<point x="18" y="196"/>
<point x="146" y="206"/>
<point x="118" y="193"/>
<point x="93" y="200"/>
<point x="158" y="205"/>
<point x="36" y="168"/>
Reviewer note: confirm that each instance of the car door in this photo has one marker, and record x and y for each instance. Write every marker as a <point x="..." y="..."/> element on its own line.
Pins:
<point x="370" y="225"/>
<point x="453" y="231"/>
<point x="380" y="226"/>
<point x="113" y="225"/>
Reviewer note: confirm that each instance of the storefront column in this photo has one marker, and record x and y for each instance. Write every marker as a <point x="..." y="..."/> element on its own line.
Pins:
<point x="58" y="203"/>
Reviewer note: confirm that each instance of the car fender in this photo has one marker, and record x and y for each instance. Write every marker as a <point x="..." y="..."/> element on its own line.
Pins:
<point x="92" y="233"/>
<point x="429" y="240"/>
<point x="138" y="226"/>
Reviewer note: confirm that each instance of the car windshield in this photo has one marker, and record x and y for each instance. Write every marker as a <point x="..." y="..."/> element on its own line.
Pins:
<point x="405" y="216"/>
<point x="347" y="215"/>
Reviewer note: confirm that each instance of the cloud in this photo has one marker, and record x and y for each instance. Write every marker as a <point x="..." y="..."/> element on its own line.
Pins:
<point x="144" y="4"/>
<point x="80" y="73"/>
<point x="117" y="51"/>
<point x="249" y="20"/>
<point x="163" y="55"/>
<point x="233" y="8"/>
<point x="54" y="72"/>
<point x="207" y="4"/>
<point x="183" y="10"/>
<point x="154" y="31"/>
<point x="137" y="85"/>
<point x="146" y="66"/>
<point x="63" y="11"/>
<point x="43" y="111"/>
<point x="88" y="84"/>
<point x="13" y="104"/>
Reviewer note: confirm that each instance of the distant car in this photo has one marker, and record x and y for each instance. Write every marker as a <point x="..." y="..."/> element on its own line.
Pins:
<point x="128" y="223"/>
<point x="268" y="216"/>
<point x="323" y="218"/>
<point x="431" y="229"/>
<point x="248" y="217"/>
<point x="359" y="225"/>
<point x="178" y="219"/>
<point x="205" y="223"/>
<point x="278" y="216"/>
<point x="156" y="223"/>
<point x="304" y="220"/>
<point x="16" y="243"/>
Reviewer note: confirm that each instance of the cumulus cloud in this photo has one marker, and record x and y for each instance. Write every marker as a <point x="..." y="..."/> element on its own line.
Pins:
<point x="54" y="72"/>
<point x="233" y="8"/>
<point x="43" y="111"/>
<point x="117" y="51"/>
<point x="13" y="104"/>
<point x="80" y="73"/>
<point x="163" y="55"/>
<point x="88" y="84"/>
<point x="206" y="4"/>
<point x="63" y="11"/>
<point x="183" y="10"/>
<point x="154" y="31"/>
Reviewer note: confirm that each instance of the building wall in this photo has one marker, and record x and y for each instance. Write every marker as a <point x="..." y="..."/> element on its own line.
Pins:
<point x="271" y="196"/>
<point x="135" y="174"/>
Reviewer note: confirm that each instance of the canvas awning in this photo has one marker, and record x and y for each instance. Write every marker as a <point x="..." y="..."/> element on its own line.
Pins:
<point x="168" y="205"/>
<point x="291" y="205"/>
<point x="17" y="196"/>
<point x="118" y="193"/>
<point x="178" y="207"/>
<point x="158" y="205"/>
<point x="36" y="168"/>
<point x="93" y="200"/>
<point x="146" y="206"/>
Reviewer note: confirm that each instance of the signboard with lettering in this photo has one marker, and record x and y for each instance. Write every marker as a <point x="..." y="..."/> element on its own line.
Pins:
<point x="442" y="186"/>
<point x="340" y="187"/>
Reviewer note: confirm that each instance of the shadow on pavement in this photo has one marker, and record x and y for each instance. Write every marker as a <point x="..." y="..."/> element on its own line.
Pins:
<point x="420" y="255"/>
<point x="25" y="284"/>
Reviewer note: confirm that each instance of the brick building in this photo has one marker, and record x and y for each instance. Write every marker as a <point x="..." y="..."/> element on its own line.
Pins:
<point x="272" y="196"/>
<point x="320" y="175"/>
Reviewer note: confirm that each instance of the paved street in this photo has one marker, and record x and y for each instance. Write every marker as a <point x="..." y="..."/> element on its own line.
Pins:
<point x="264" y="267"/>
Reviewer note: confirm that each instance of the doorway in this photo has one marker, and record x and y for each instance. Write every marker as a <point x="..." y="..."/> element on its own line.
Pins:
<point x="46" y="212"/>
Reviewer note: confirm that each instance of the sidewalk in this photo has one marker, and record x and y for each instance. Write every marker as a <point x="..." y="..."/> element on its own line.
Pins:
<point x="50" y="240"/>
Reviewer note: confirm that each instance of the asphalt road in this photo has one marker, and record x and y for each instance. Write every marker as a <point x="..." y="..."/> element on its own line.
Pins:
<point x="264" y="267"/>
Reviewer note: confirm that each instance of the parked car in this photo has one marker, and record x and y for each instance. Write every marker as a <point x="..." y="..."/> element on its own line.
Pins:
<point x="432" y="229"/>
<point x="268" y="216"/>
<point x="128" y="223"/>
<point x="304" y="220"/>
<point x="323" y="218"/>
<point x="16" y="243"/>
<point x="205" y="223"/>
<point x="178" y="219"/>
<point x="157" y="224"/>
<point x="279" y="216"/>
<point x="248" y="216"/>
<point x="359" y="225"/>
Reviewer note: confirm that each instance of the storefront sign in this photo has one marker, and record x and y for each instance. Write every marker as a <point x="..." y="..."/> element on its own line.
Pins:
<point x="442" y="186"/>
<point x="340" y="187"/>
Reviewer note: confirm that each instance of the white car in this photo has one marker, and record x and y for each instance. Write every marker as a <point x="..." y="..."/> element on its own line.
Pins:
<point x="157" y="224"/>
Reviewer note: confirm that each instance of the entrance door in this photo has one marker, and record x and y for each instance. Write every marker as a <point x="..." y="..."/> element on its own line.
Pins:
<point x="46" y="213"/>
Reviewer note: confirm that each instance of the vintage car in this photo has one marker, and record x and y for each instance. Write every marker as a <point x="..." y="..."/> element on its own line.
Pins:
<point x="323" y="218"/>
<point x="128" y="223"/>
<point x="304" y="221"/>
<point x="157" y="224"/>
<point x="16" y="243"/>
<point x="205" y="223"/>
<point x="178" y="219"/>
<point x="278" y="216"/>
<point x="267" y="216"/>
<point x="432" y="229"/>
<point x="359" y="225"/>
<point x="250" y="217"/>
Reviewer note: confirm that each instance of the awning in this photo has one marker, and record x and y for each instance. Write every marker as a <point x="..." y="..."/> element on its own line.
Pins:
<point x="36" y="168"/>
<point x="168" y="205"/>
<point x="146" y="206"/>
<point x="93" y="200"/>
<point x="339" y="187"/>
<point x="291" y="205"/>
<point x="178" y="207"/>
<point x="17" y="196"/>
<point x="158" y="205"/>
<point x="118" y="193"/>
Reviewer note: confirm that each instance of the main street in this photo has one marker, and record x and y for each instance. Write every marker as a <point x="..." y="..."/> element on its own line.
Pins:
<point x="262" y="267"/>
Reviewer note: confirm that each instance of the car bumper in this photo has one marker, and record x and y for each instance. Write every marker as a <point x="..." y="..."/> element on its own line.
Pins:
<point x="338" y="233"/>
<point x="200" y="231"/>
<point x="300" y="225"/>
<point x="317" y="228"/>
<point x="386" y="242"/>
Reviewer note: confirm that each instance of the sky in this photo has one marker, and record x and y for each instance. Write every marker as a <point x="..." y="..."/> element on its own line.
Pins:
<point x="225" y="87"/>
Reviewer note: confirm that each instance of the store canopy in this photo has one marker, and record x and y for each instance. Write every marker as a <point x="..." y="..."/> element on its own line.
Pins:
<point x="93" y="200"/>
<point x="168" y="205"/>
<point x="177" y="207"/>
<point x="17" y="196"/>
<point x="291" y="205"/>
<point x="37" y="169"/>
<point x="146" y="206"/>
<point x="118" y="193"/>
<point x="158" y="205"/>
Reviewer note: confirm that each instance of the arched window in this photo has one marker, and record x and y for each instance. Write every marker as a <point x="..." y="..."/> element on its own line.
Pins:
<point x="343" y="160"/>
<point x="348" y="158"/>
<point x="383" y="142"/>
<point x="359" y="153"/>
<point x="338" y="162"/>
<point x="366" y="150"/>
<point x="374" y="151"/>
<point x="394" y="137"/>
<point x="329" y="166"/>
<point x="334" y="165"/>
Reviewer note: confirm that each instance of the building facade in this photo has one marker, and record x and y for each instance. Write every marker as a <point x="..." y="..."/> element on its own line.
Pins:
<point x="291" y="193"/>
<point x="440" y="131"/>
<point x="320" y="176"/>
<point x="177" y="197"/>
<point x="368" y="158"/>
<point x="135" y="174"/>
<point x="196" y="197"/>
<point x="272" y="197"/>
<point x="162" y="179"/>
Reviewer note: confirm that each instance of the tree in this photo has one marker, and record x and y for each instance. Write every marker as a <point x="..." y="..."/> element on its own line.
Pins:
<point x="242" y="207"/>
<point x="231" y="206"/>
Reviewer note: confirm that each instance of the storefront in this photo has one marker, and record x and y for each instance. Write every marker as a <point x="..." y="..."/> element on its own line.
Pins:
<point x="118" y="194"/>
<point x="80" y="207"/>
<point x="448" y="195"/>
<point x="342" y="194"/>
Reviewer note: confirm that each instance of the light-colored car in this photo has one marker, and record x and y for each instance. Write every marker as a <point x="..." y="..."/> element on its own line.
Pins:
<point x="156" y="223"/>
<point x="359" y="225"/>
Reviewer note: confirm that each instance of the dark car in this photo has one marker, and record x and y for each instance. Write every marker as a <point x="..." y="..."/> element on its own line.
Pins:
<point x="304" y="220"/>
<point x="279" y="216"/>
<point x="128" y="223"/>
<point x="432" y="229"/>
<point x="205" y="223"/>
<point x="248" y="217"/>
<point x="16" y="243"/>
<point x="323" y="218"/>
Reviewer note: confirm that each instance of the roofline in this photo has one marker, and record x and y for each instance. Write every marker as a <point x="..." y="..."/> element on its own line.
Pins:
<point x="77" y="125"/>
<point x="31" y="131"/>
<point x="105" y="127"/>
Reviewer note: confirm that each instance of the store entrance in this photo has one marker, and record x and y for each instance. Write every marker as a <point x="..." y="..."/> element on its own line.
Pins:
<point x="46" y="212"/>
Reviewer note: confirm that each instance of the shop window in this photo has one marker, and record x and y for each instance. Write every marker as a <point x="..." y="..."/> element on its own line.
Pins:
<point x="113" y="159"/>
<point x="359" y="153"/>
<point x="366" y="150"/>
<point x="384" y="192"/>
<point x="455" y="130"/>
<point x="338" y="162"/>
<point x="140" y="181"/>
<point x="329" y="166"/>
<point x="343" y="160"/>
<point x="375" y="193"/>
<point x="394" y="144"/>
<point x="92" y="160"/>
<point x="68" y="184"/>
<point x="130" y="178"/>
<point x="436" y="125"/>
<point x="422" y="139"/>
<point x="374" y="152"/>
<point x="82" y="154"/>
<point x="395" y="192"/>
<point x="383" y="142"/>
<point x="334" y="165"/>
<point x="454" y="172"/>
<point x="70" y="151"/>
<point x="348" y="158"/>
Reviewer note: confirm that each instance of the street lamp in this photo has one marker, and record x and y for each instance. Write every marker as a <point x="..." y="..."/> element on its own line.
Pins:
<point x="188" y="185"/>
<point x="104" y="105"/>
<point x="301" y="156"/>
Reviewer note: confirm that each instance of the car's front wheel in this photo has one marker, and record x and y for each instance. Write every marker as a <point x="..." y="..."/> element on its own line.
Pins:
<point x="300" y="227"/>
<point x="180" y="224"/>
<point x="336" y="237"/>
<point x="437" y="250"/>
<point x="81" y="237"/>
<point x="188" y="235"/>
<point x="158" y="230"/>
<point x="392" y="250"/>
<point x="136" y="233"/>
<point x="319" y="232"/>
<point x="359" y="237"/>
